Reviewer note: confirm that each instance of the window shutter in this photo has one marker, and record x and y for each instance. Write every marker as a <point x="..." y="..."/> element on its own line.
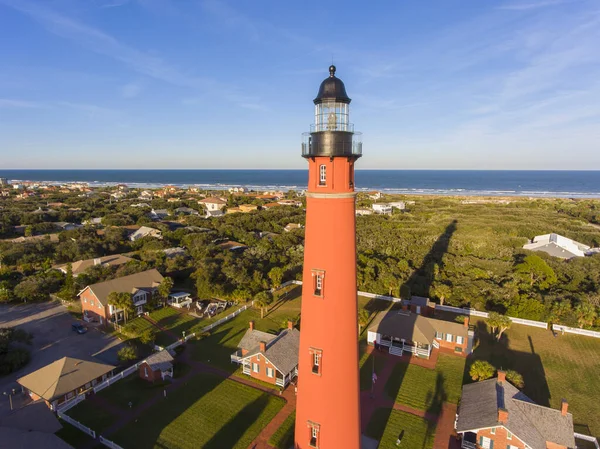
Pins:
<point x="491" y="444"/>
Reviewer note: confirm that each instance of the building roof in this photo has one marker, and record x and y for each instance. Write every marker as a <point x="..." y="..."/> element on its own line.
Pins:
<point x="231" y="245"/>
<point x="531" y="423"/>
<point x="253" y="337"/>
<point x="414" y="327"/>
<point x="144" y="231"/>
<point x="332" y="88"/>
<point x="33" y="417"/>
<point x="160" y="361"/>
<point x="63" y="376"/>
<point x="213" y="200"/>
<point x="80" y="266"/>
<point x="146" y="280"/>
<point x="282" y="351"/>
<point x="557" y="246"/>
<point x="11" y="438"/>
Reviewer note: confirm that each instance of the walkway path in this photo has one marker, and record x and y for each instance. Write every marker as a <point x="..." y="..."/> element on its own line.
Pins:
<point x="159" y="327"/>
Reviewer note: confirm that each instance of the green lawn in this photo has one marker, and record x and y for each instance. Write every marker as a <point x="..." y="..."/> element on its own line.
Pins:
<point x="138" y="325"/>
<point x="131" y="389"/>
<point x="553" y="368"/>
<point x="73" y="435"/>
<point x="92" y="416"/>
<point x="208" y="412"/>
<point x="387" y="425"/>
<point x="367" y="363"/>
<point x="426" y="389"/>
<point x="283" y="438"/>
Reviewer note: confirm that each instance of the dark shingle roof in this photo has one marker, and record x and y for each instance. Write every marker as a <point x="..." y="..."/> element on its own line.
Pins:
<point x="281" y="351"/>
<point x="146" y="280"/>
<point x="253" y="337"/>
<point x="531" y="423"/>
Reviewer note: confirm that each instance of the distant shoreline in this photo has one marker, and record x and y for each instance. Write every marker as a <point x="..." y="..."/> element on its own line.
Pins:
<point x="447" y="183"/>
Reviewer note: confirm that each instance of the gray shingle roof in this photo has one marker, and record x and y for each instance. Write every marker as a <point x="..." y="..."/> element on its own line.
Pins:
<point x="252" y="338"/>
<point x="281" y="351"/>
<point x="160" y="361"/>
<point x="146" y="280"/>
<point x="531" y="423"/>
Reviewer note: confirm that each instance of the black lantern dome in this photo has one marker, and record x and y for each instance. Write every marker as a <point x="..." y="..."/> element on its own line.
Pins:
<point x="332" y="88"/>
<point x="332" y="134"/>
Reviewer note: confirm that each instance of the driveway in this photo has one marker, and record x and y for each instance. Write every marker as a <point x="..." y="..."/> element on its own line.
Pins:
<point x="50" y="324"/>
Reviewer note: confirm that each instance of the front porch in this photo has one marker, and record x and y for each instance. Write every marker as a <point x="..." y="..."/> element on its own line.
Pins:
<point x="398" y="346"/>
<point x="469" y="441"/>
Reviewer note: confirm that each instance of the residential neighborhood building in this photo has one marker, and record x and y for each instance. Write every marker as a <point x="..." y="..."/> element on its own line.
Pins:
<point x="247" y="207"/>
<point x="81" y="266"/>
<point x="374" y="195"/>
<point x="157" y="367"/>
<point x="294" y="203"/>
<point x="557" y="246"/>
<point x="93" y="221"/>
<point x="64" y="379"/>
<point x="145" y="231"/>
<point x="180" y="299"/>
<point x="495" y="414"/>
<point x="230" y="245"/>
<point x="146" y="195"/>
<point x="158" y="214"/>
<point x="409" y="331"/>
<point x="382" y="208"/>
<point x="267" y="357"/>
<point x="94" y="298"/>
<point x="213" y="204"/>
<point x="364" y="212"/>
<point x="292" y="226"/>
<point x="186" y="211"/>
<point x="170" y="253"/>
<point x="400" y="205"/>
<point x="31" y="427"/>
<point x="64" y="226"/>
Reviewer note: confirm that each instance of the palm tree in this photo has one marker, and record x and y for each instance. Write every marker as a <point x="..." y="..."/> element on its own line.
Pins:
<point x="586" y="314"/>
<point x="481" y="370"/>
<point x="441" y="291"/>
<point x="123" y="301"/>
<point x="262" y="300"/>
<point x="498" y="323"/>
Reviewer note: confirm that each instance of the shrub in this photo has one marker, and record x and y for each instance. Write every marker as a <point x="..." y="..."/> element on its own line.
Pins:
<point x="127" y="353"/>
<point x="481" y="370"/>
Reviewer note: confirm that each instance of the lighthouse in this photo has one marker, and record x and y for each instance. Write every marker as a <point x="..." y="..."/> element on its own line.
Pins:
<point x="328" y="404"/>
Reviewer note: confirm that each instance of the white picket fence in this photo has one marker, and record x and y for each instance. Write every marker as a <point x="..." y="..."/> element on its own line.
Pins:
<point x="580" y="436"/>
<point x="109" y="443"/>
<point x="70" y="403"/>
<point x="574" y="330"/>
<point x="77" y="424"/>
<point x="117" y="377"/>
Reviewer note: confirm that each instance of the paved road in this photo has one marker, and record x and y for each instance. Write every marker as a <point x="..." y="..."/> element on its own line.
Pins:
<point x="50" y="324"/>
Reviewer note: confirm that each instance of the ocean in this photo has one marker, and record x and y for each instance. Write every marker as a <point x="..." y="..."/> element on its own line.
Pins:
<point x="566" y="184"/>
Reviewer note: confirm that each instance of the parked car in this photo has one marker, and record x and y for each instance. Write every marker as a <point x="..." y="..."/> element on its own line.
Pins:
<point x="79" y="328"/>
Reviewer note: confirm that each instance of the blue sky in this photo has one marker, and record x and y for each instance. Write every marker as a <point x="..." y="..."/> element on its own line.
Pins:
<point x="445" y="84"/>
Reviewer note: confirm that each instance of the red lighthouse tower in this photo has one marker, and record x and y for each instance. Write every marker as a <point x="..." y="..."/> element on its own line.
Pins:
<point x="328" y="406"/>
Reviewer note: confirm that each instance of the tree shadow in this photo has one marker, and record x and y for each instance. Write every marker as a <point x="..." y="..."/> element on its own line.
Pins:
<point x="422" y="279"/>
<point x="436" y="401"/>
<point x="501" y="356"/>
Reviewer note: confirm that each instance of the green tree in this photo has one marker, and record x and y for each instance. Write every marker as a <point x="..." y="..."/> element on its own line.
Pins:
<point x="165" y="287"/>
<point x="536" y="272"/>
<point x="122" y="301"/>
<point x="276" y="276"/>
<point x="515" y="378"/>
<point x="499" y="323"/>
<point x="262" y="300"/>
<point x="67" y="292"/>
<point x="127" y="353"/>
<point x="147" y="337"/>
<point x="363" y="319"/>
<point x="586" y="314"/>
<point x="441" y="292"/>
<point x="481" y="370"/>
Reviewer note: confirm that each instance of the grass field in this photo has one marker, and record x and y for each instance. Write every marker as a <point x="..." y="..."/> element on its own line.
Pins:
<point x="208" y="412"/>
<point x="138" y="325"/>
<point x="386" y="426"/>
<point x="92" y="416"/>
<point x="426" y="389"/>
<point x="553" y="368"/>
<point x="367" y="363"/>
<point x="283" y="438"/>
<point x="73" y="435"/>
<point x="131" y="389"/>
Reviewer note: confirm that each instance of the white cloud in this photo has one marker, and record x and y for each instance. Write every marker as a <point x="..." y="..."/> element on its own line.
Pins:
<point x="131" y="90"/>
<point x="21" y="104"/>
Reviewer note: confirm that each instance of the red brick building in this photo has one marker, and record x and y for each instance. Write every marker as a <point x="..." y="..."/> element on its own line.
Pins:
<point x="157" y="367"/>
<point x="407" y="331"/>
<point x="267" y="357"/>
<point x="94" y="298"/>
<point x="495" y="414"/>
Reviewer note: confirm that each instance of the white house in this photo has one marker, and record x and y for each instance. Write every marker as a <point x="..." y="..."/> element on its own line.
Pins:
<point x="557" y="246"/>
<point x="382" y="208"/>
<point x="158" y="214"/>
<point x="145" y="231"/>
<point x="401" y="205"/>
<point x="364" y="212"/>
<point x="374" y="195"/>
<point x="213" y="204"/>
<point x="146" y="195"/>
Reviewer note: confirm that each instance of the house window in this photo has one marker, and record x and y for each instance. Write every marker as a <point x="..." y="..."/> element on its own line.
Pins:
<point x="92" y="303"/>
<point x="459" y="339"/>
<point x="493" y="431"/>
<point x="486" y="443"/>
<point x="449" y="338"/>
<point x="270" y="372"/>
<point x="318" y="279"/>
<point x="258" y="357"/>
<point x="322" y="175"/>
<point x="145" y="371"/>
<point x="317" y="356"/>
<point x="439" y="335"/>
<point x="313" y="434"/>
<point x="255" y="368"/>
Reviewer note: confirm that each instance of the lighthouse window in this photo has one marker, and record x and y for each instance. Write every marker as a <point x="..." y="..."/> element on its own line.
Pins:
<point x="322" y="175"/>
<point x="318" y="278"/>
<point x="314" y="434"/>
<point x="317" y="355"/>
<point x="319" y="285"/>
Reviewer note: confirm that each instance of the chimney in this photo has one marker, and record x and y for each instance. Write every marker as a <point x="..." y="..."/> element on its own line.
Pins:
<point x="466" y="322"/>
<point x="251" y="325"/>
<point x="97" y="261"/>
<point x="263" y="346"/>
<point x="564" y="408"/>
<point x="290" y="324"/>
<point x="404" y="307"/>
<point x="501" y="376"/>
<point x="502" y="415"/>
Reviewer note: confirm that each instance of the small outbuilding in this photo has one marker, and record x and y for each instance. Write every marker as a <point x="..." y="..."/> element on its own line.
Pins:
<point x="157" y="367"/>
